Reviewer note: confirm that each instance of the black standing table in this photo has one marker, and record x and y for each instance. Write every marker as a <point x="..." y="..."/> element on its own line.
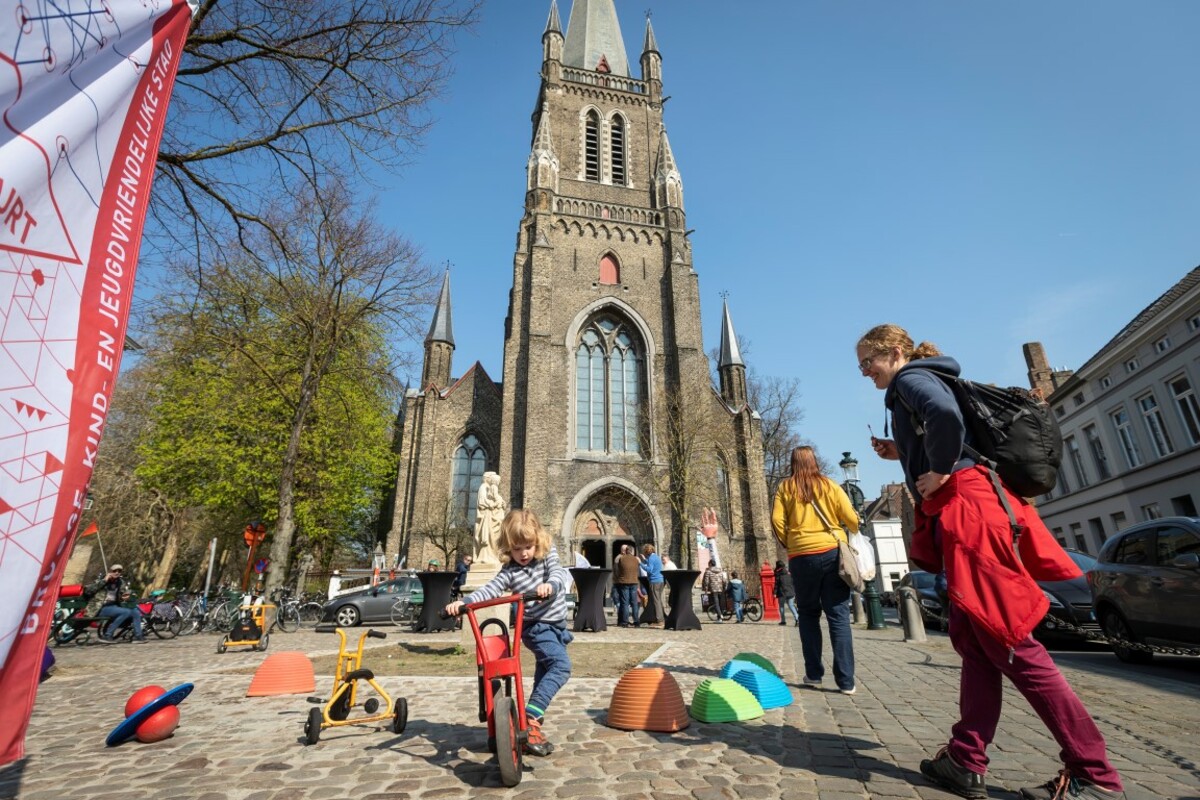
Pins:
<point x="437" y="586"/>
<point x="591" y="584"/>
<point x="681" y="617"/>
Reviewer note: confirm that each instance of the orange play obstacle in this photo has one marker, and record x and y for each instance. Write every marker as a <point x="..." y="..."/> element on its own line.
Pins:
<point x="648" y="699"/>
<point x="283" y="673"/>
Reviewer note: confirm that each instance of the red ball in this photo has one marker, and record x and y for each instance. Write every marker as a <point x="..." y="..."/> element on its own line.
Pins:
<point x="159" y="725"/>
<point x="143" y="697"/>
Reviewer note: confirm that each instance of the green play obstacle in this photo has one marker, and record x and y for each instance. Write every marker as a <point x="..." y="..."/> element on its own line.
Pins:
<point x="724" y="700"/>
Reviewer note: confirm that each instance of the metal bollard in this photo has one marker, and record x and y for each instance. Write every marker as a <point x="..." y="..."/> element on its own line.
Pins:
<point x="910" y="615"/>
<point x="856" y="608"/>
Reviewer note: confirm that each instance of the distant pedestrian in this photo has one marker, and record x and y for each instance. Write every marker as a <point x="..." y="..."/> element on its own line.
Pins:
<point x="714" y="583"/>
<point x="654" y="577"/>
<point x="625" y="583"/>
<point x="785" y="594"/>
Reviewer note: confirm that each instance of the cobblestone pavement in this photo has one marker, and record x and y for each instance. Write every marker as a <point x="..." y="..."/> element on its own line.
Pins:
<point x="825" y="745"/>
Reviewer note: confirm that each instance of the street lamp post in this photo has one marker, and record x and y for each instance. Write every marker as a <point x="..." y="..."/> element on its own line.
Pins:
<point x="870" y="593"/>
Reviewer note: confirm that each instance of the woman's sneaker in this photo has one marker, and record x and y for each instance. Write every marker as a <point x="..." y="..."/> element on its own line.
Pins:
<point x="946" y="773"/>
<point x="536" y="743"/>
<point x="1065" y="787"/>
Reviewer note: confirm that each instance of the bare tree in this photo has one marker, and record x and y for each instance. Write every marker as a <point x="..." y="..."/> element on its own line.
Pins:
<point x="275" y="93"/>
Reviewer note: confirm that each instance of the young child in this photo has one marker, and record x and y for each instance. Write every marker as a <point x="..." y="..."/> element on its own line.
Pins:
<point x="531" y="563"/>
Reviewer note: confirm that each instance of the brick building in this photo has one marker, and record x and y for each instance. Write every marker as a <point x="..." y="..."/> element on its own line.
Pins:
<point x="606" y="421"/>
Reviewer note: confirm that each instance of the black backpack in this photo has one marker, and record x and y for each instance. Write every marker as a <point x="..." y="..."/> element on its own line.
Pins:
<point x="1014" y="429"/>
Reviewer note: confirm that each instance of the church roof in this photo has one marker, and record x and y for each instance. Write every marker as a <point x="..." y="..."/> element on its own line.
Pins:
<point x="594" y="35"/>
<point x="552" y="24"/>
<point x="730" y="355"/>
<point x="442" y="327"/>
<point x="649" y="45"/>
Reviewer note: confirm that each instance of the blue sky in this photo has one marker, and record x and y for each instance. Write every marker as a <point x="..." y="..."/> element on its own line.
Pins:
<point x="984" y="174"/>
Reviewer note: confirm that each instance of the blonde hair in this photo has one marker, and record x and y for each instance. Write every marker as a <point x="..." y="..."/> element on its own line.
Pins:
<point x="883" y="338"/>
<point x="521" y="526"/>
<point x="647" y="549"/>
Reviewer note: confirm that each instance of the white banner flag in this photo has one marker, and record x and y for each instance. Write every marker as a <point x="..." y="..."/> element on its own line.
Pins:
<point x="84" y="88"/>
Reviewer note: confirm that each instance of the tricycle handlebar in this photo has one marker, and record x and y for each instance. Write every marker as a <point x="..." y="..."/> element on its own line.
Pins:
<point x="528" y="597"/>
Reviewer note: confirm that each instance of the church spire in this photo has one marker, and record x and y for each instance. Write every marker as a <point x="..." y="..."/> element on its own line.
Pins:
<point x="594" y="37"/>
<point x="730" y="368"/>
<point x="649" y="45"/>
<point x="552" y="24"/>
<point x="439" y="342"/>
<point x="542" y="167"/>
<point x="667" y="180"/>
<point x="652" y="65"/>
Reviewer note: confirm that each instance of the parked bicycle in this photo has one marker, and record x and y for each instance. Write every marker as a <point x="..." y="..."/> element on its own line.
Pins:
<point x="752" y="609"/>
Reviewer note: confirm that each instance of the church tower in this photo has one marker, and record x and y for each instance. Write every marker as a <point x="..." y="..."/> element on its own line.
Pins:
<point x="611" y="429"/>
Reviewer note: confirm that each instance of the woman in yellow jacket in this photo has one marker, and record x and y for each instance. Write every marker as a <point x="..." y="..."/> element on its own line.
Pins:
<point x="812" y="546"/>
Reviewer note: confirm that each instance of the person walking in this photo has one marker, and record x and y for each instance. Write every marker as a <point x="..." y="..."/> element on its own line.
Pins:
<point x="785" y="593"/>
<point x="962" y="527"/>
<point x="625" y="583"/>
<point x="809" y="517"/>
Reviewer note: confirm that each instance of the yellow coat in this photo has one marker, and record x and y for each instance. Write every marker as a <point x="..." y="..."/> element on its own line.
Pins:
<point x="799" y="528"/>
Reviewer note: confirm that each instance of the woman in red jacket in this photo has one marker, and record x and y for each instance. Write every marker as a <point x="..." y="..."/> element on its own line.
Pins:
<point x="962" y="529"/>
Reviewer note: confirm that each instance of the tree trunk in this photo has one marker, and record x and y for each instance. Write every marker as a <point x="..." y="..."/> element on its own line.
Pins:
<point x="166" y="564"/>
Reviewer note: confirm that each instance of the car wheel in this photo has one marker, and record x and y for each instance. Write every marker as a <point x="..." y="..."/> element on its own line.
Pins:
<point x="346" y="617"/>
<point x="1116" y="627"/>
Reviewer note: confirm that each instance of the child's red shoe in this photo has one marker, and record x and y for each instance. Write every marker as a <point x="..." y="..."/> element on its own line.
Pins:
<point x="537" y="744"/>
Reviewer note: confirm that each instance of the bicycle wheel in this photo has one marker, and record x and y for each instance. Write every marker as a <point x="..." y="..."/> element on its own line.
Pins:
<point x="288" y="619"/>
<point x="310" y="613"/>
<point x="508" y="744"/>
<point x="401" y="611"/>
<point x="219" y="619"/>
<point x="752" y="609"/>
<point x="162" y="628"/>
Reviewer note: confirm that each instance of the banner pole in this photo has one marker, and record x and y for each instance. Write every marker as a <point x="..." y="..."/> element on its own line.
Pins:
<point x="103" y="558"/>
<point x="212" y="557"/>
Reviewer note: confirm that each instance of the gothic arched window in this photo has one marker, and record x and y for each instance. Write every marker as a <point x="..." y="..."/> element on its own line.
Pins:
<point x="470" y="460"/>
<point x="608" y="388"/>
<point x="591" y="147"/>
<point x="617" y="150"/>
<point x="610" y="269"/>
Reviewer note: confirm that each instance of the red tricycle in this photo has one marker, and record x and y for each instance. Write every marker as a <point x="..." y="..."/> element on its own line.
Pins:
<point x="501" y="693"/>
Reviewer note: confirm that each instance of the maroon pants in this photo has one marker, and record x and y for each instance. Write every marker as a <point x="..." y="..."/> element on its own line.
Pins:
<point x="981" y="687"/>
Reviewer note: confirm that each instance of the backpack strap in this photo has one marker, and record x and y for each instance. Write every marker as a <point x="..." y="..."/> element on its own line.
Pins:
<point x="987" y="463"/>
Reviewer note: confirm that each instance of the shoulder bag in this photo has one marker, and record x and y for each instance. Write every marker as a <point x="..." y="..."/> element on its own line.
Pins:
<point x="847" y="556"/>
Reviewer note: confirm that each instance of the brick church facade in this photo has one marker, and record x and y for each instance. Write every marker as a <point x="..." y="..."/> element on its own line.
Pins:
<point x="606" y="421"/>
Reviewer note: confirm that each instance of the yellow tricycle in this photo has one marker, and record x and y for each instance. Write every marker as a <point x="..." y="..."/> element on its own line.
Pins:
<point x="336" y="711"/>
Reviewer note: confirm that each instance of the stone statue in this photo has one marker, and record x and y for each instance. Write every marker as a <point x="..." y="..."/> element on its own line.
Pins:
<point x="489" y="511"/>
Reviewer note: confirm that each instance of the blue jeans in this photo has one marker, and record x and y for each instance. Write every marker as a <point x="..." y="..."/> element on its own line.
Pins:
<point x="627" y="599"/>
<point x="548" y="643"/>
<point x="818" y="588"/>
<point x="119" y="614"/>
<point x="786" y="604"/>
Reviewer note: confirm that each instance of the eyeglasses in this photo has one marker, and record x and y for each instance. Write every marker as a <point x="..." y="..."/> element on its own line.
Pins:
<point x="865" y="364"/>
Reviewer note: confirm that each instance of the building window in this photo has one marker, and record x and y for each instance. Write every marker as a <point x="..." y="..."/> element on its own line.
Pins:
<point x="1059" y="412"/>
<point x="1077" y="537"/>
<point x="1061" y="484"/>
<point x="1098" y="533"/>
<point x="1105" y="382"/>
<point x="591" y="147"/>
<point x="617" y="151"/>
<point x="1151" y="511"/>
<point x="610" y="269"/>
<point x="1154" y="425"/>
<point x="1121" y="424"/>
<point x="470" y="460"/>
<point x="1183" y="506"/>
<point x="608" y="388"/>
<point x="1162" y="345"/>
<point x="1099" y="458"/>
<point x="723" y="494"/>
<point x="1131" y="365"/>
<point x="1118" y="520"/>
<point x="1077" y="460"/>
<point x="1058" y="534"/>
<point x="1078" y="399"/>
<point x="1194" y="323"/>
<point x="1189" y="409"/>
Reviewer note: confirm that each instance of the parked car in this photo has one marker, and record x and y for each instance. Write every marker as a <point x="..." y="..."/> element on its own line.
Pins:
<point x="1146" y="586"/>
<point x="932" y="601"/>
<point x="1070" y="602"/>
<point x="372" y="604"/>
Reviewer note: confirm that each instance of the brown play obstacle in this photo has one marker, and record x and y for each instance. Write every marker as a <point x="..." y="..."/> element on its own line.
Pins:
<point x="648" y="699"/>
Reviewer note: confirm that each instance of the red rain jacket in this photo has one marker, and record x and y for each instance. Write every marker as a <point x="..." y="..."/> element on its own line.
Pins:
<point x="964" y="530"/>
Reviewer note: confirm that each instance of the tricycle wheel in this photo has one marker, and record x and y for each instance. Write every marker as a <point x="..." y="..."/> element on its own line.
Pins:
<point x="312" y="728"/>
<point x="221" y="648"/>
<point x="341" y="706"/>
<point x="400" y="718"/>
<point x="262" y="643"/>
<point x="508" y="740"/>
